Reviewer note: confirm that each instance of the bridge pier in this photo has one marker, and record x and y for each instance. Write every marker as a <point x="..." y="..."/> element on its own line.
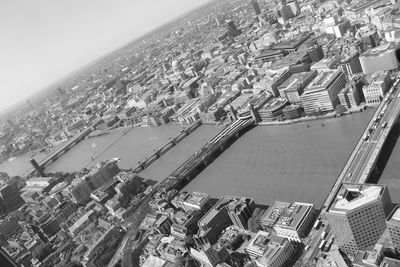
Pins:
<point x="38" y="168"/>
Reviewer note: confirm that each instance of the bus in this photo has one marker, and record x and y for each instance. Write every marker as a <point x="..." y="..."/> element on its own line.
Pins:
<point x="317" y="224"/>
<point x="322" y="244"/>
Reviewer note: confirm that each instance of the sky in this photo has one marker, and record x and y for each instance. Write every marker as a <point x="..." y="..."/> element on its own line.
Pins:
<point x="44" y="40"/>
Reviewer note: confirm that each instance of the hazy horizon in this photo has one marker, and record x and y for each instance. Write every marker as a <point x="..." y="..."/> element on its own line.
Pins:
<point x="45" y="40"/>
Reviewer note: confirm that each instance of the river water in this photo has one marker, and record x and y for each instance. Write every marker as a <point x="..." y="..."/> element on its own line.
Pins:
<point x="298" y="162"/>
<point x="286" y="163"/>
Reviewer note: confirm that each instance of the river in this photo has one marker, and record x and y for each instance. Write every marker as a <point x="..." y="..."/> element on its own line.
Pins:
<point x="286" y="163"/>
<point x="297" y="162"/>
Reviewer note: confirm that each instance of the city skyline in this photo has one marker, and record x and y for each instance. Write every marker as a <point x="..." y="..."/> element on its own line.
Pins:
<point x="46" y="40"/>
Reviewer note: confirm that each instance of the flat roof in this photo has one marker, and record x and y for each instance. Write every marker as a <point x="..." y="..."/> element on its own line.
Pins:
<point x="353" y="196"/>
<point x="291" y="43"/>
<point x="274" y="104"/>
<point x="287" y="214"/>
<point x="395" y="215"/>
<point x="322" y="81"/>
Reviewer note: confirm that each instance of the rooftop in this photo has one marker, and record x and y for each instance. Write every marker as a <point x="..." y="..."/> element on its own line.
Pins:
<point x="353" y="196"/>
<point x="322" y="81"/>
<point x="286" y="214"/>
<point x="380" y="50"/>
<point x="395" y="215"/>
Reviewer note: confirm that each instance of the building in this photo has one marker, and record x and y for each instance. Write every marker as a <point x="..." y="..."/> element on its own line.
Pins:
<point x="321" y="95"/>
<point x="350" y="64"/>
<point x="292" y="112"/>
<point x="350" y="96"/>
<point x="294" y="86"/>
<point x="240" y="209"/>
<point x="188" y="202"/>
<point x="270" y="250"/>
<point x="80" y="191"/>
<point x="381" y="58"/>
<point x="208" y="255"/>
<point x="273" y="79"/>
<point x="94" y="255"/>
<point x="81" y="223"/>
<point x="272" y="110"/>
<point x="289" y="220"/>
<point x="256" y="7"/>
<point x="393" y="225"/>
<point x="6" y="260"/>
<point x="102" y="173"/>
<point x="215" y="220"/>
<point x="357" y="215"/>
<point x="375" y="91"/>
<point x="10" y="197"/>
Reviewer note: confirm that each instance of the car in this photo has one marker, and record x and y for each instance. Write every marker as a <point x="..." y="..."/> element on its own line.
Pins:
<point x="384" y="125"/>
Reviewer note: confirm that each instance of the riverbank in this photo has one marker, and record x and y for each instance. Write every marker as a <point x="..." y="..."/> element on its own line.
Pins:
<point x="331" y="115"/>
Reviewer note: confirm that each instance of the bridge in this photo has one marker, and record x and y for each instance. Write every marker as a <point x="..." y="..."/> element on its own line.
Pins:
<point x="60" y="151"/>
<point x="185" y="172"/>
<point x="161" y="151"/>
<point x="206" y="154"/>
<point x="362" y="161"/>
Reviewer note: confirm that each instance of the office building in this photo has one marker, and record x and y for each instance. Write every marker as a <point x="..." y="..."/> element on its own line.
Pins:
<point x="227" y="211"/>
<point x="273" y="109"/>
<point x="232" y="31"/>
<point x="102" y="173"/>
<point x="350" y="96"/>
<point x="357" y="215"/>
<point x="187" y="201"/>
<point x="80" y="191"/>
<point x="315" y="52"/>
<point x="10" y="197"/>
<point x="350" y="64"/>
<point x="292" y="111"/>
<point x="273" y="79"/>
<point x="256" y="7"/>
<point x="381" y="58"/>
<point x="293" y="87"/>
<point x="240" y="209"/>
<point x="270" y="250"/>
<point x="289" y="220"/>
<point x="375" y="91"/>
<point x="321" y="95"/>
<point x="393" y="225"/>
<point x="208" y="255"/>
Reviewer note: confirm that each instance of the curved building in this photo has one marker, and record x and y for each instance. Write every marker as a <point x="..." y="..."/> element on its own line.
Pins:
<point x="381" y="58"/>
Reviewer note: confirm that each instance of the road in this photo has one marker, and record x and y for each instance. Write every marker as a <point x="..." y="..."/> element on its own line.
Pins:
<point x="361" y="161"/>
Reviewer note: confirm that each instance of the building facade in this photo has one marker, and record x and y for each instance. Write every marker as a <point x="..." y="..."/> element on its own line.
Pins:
<point x="357" y="215"/>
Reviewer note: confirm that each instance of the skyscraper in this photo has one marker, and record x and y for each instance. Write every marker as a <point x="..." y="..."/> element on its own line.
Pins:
<point x="256" y="7"/>
<point x="358" y="214"/>
<point x="393" y="225"/>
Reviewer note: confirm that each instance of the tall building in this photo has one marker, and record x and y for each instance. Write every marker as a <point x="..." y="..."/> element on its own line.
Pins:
<point x="321" y="94"/>
<point x="80" y="191"/>
<point x="350" y="64"/>
<point x="10" y="197"/>
<point x="381" y="58"/>
<point x="232" y="31"/>
<point x="240" y="210"/>
<point x="357" y="215"/>
<point x="101" y="174"/>
<point x="393" y="225"/>
<point x="256" y="7"/>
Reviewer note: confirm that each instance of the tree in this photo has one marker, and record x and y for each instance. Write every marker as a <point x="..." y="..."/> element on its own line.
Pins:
<point x="42" y="251"/>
